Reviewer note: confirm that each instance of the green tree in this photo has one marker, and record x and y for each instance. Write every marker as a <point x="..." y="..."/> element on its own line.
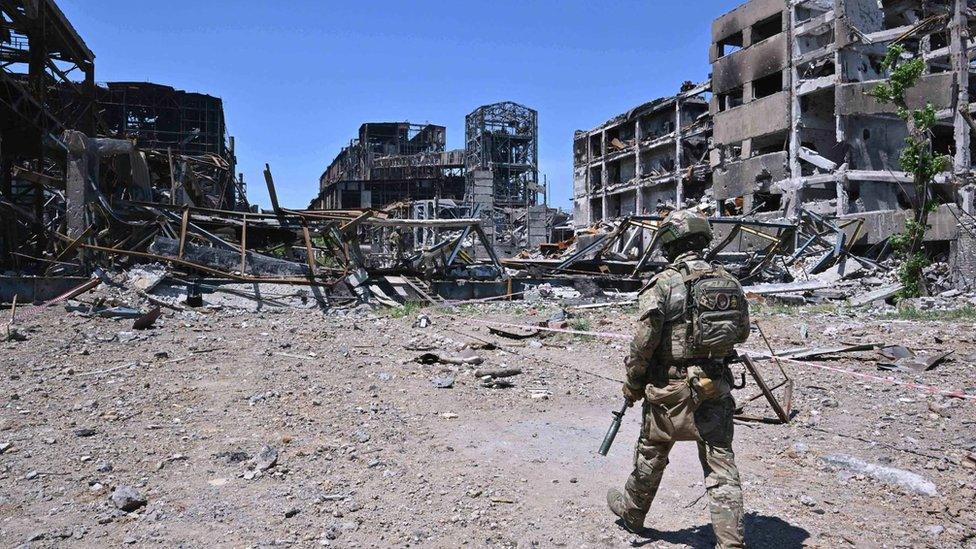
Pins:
<point x="916" y="158"/>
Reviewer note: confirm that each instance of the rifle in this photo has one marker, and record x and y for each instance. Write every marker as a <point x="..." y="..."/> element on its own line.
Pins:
<point x="614" y="427"/>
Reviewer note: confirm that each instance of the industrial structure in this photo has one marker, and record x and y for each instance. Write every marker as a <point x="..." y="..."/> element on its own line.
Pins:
<point x="653" y="155"/>
<point x="501" y="156"/>
<point x="406" y="167"/>
<point x="188" y="127"/>
<point x="39" y="50"/>
<point x="389" y="162"/>
<point x="141" y="141"/>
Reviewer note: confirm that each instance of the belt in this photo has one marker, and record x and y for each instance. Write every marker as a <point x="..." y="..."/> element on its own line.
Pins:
<point x="679" y="369"/>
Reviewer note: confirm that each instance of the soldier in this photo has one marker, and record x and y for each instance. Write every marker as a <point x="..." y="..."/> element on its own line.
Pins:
<point x="691" y="316"/>
<point x="398" y="247"/>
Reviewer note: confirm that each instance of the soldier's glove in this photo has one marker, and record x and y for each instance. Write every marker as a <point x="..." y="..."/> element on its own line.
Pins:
<point x="633" y="395"/>
<point x="701" y="383"/>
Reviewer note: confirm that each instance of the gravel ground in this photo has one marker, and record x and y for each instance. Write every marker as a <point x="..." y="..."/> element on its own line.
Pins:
<point x="292" y="427"/>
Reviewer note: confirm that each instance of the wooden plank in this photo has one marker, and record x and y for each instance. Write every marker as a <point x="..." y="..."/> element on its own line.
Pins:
<point x="243" y="246"/>
<point x="308" y="249"/>
<point x="754" y="372"/>
<point x="416" y="287"/>
<point x="183" y="224"/>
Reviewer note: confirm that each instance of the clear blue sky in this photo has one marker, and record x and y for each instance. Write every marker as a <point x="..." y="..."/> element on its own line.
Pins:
<point x="299" y="77"/>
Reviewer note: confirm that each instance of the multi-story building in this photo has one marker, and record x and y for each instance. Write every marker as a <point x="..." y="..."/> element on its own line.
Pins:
<point x="655" y="153"/>
<point x="794" y="124"/>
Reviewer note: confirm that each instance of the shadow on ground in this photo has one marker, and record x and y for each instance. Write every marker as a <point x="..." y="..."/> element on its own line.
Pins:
<point x="761" y="531"/>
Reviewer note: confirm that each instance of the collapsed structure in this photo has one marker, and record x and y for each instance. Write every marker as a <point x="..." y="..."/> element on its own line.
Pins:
<point x="406" y="168"/>
<point x="154" y="144"/>
<point x="796" y="166"/>
<point x="652" y="155"/>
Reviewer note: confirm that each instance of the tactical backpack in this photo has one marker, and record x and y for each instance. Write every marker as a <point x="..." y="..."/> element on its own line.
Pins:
<point x="716" y="313"/>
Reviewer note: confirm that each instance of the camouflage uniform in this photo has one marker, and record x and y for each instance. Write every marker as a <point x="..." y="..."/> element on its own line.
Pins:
<point x="674" y="410"/>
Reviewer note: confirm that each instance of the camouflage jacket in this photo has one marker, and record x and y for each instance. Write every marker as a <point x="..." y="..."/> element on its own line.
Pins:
<point x="661" y="305"/>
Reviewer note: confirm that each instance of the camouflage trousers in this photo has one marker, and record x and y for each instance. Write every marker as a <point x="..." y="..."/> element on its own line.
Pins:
<point x="713" y="422"/>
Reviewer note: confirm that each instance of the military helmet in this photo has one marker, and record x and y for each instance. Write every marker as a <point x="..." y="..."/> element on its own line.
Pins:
<point x="683" y="225"/>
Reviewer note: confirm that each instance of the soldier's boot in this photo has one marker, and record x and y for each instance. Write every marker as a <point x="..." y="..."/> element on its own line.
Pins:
<point x="615" y="500"/>
<point x="632" y="505"/>
<point x="724" y="494"/>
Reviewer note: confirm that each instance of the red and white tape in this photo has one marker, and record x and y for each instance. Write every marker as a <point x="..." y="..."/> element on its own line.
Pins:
<point x="614" y="335"/>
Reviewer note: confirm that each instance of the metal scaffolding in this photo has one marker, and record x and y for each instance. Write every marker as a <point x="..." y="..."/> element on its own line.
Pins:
<point x="40" y="54"/>
<point x="504" y="138"/>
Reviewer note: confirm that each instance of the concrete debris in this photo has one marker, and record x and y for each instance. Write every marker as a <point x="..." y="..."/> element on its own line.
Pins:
<point x="127" y="498"/>
<point x="265" y="459"/>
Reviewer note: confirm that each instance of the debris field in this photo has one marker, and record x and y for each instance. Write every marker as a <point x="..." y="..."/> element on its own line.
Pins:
<point x="247" y="428"/>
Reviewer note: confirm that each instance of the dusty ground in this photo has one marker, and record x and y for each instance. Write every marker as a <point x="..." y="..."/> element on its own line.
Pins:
<point x="371" y="454"/>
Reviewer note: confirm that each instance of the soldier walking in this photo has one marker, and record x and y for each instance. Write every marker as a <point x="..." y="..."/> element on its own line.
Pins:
<point x="691" y="316"/>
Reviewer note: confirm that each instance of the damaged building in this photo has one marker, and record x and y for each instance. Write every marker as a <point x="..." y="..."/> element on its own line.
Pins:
<point x="182" y="127"/>
<point x="791" y="124"/>
<point x="653" y="155"/>
<point x="390" y="162"/>
<point x="406" y="169"/>
<point x="140" y="142"/>
<point x="795" y="127"/>
<point x="794" y="124"/>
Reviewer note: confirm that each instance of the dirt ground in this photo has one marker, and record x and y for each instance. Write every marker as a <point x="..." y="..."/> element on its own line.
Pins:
<point x="364" y="450"/>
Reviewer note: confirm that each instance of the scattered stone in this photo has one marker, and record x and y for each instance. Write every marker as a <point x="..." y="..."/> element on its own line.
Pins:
<point x="85" y="432"/>
<point x="264" y="460"/>
<point x="127" y="498"/>
<point x="361" y="436"/>
<point x="443" y="382"/>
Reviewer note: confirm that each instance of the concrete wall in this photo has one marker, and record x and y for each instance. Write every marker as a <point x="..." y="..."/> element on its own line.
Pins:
<point x="739" y="178"/>
<point x="763" y="116"/>
<point x="743" y="17"/>
<point x="874" y="143"/>
<point x="932" y="88"/>
<point x="750" y="64"/>
<point x="881" y="225"/>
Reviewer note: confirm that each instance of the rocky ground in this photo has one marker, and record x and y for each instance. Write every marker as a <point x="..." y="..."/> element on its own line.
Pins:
<point x="293" y="427"/>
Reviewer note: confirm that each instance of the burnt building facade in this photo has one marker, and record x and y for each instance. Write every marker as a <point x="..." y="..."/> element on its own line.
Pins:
<point x="795" y="126"/>
<point x="654" y="154"/>
<point x="390" y="162"/>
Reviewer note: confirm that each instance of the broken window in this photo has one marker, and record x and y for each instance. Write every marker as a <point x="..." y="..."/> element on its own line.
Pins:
<point x="596" y="148"/>
<point x="767" y="28"/>
<point x="596" y="177"/>
<point x="730" y="99"/>
<point x="767" y="202"/>
<point x="729" y="44"/>
<point x="596" y="209"/>
<point x="776" y="142"/>
<point x="767" y="85"/>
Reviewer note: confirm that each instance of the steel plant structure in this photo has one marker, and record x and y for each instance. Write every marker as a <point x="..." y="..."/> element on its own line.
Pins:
<point x="504" y="138"/>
